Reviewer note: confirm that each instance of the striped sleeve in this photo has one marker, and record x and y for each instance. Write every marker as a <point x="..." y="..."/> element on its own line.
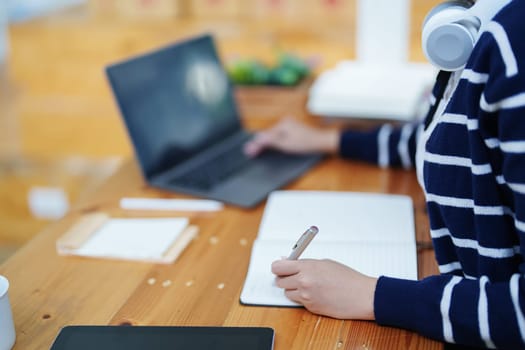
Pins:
<point x="386" y="146"/>
<point x="455" y="309"/>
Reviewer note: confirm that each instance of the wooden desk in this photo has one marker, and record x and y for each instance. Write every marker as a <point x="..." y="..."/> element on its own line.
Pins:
<point x="49" y="291"/>
<point x="58" y="115"/>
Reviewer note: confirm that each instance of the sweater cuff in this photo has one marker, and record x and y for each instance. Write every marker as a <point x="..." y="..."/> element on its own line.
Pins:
<point x="359" y="145"/>
<point x="395" y="303"/>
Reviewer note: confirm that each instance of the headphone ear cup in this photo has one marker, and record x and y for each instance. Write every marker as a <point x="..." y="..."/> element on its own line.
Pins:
<point x="447" y="38"/>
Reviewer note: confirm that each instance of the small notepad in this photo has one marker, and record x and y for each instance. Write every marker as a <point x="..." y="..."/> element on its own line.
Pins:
<point x="158" y="240"/>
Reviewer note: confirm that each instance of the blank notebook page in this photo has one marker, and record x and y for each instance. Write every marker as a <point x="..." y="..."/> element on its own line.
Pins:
<point x="352" y="216"/>
<point x="133" y="238"/>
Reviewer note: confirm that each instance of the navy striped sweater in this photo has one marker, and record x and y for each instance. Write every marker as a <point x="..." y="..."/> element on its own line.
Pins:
<point x="472" y="169"/>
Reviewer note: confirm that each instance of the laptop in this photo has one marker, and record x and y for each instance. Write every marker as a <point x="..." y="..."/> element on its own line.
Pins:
<point x="179" y="109"/>
<point x="163" y="338"/>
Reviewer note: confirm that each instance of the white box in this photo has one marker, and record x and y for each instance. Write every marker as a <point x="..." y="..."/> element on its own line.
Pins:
<point x="354" y="89"/>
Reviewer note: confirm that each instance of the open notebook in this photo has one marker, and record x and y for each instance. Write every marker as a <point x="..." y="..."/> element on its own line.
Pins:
<point x="372" y="233"/>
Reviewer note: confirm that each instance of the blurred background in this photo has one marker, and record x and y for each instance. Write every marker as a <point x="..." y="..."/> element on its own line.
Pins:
<point x="60" y="132"/>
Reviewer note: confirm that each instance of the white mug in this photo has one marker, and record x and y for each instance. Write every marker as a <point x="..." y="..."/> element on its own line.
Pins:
<point x="4" y="42"/>
<point x="7" y="326"/>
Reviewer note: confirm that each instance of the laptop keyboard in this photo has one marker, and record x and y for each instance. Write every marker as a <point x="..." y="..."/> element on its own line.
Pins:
<point x="215" y="171"/>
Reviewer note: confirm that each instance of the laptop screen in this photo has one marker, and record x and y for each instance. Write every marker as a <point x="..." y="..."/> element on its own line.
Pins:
<point x="175" y="102"/>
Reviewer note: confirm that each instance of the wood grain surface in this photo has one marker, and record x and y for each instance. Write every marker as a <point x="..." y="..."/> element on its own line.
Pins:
<point x="49" y="291"/>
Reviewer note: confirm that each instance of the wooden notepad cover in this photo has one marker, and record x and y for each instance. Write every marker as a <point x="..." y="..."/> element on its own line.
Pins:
<point x="89" y="224"/>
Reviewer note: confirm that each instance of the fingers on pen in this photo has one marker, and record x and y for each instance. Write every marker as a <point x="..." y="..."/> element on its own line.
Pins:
<point x="286" y="282"/>
<point x="285" y="267"/>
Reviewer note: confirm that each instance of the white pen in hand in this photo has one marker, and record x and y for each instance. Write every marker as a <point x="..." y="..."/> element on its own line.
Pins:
<point x="303" y="242"/>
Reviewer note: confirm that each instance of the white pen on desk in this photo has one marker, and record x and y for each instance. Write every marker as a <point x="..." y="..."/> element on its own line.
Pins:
<point x="303" y="242"/>
<point x="174" y="204"/>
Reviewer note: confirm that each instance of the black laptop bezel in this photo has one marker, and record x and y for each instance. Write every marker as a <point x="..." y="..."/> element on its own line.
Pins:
<point x="264" y="336"/>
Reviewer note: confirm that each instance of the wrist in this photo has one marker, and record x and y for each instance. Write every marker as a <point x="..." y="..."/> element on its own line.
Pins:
<point x="371" y="289"/>
<point x="329" y="141"/>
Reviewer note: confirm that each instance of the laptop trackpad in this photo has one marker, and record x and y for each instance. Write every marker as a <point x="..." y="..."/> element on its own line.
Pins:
<point x="265" y="175"/>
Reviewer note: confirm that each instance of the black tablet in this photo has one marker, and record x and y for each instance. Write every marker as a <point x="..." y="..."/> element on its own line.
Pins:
<point x="163" y="338"/>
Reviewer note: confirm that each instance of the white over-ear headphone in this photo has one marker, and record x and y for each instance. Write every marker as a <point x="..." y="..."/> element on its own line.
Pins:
<point x="451" y="30"/>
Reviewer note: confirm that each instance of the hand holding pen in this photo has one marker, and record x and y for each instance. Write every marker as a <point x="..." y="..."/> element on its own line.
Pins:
<point x="324" y="286"/>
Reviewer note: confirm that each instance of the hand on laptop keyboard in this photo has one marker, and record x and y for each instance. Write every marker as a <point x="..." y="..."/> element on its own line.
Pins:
<point x="292" y="136"/>
<point x="216" y="170"/>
